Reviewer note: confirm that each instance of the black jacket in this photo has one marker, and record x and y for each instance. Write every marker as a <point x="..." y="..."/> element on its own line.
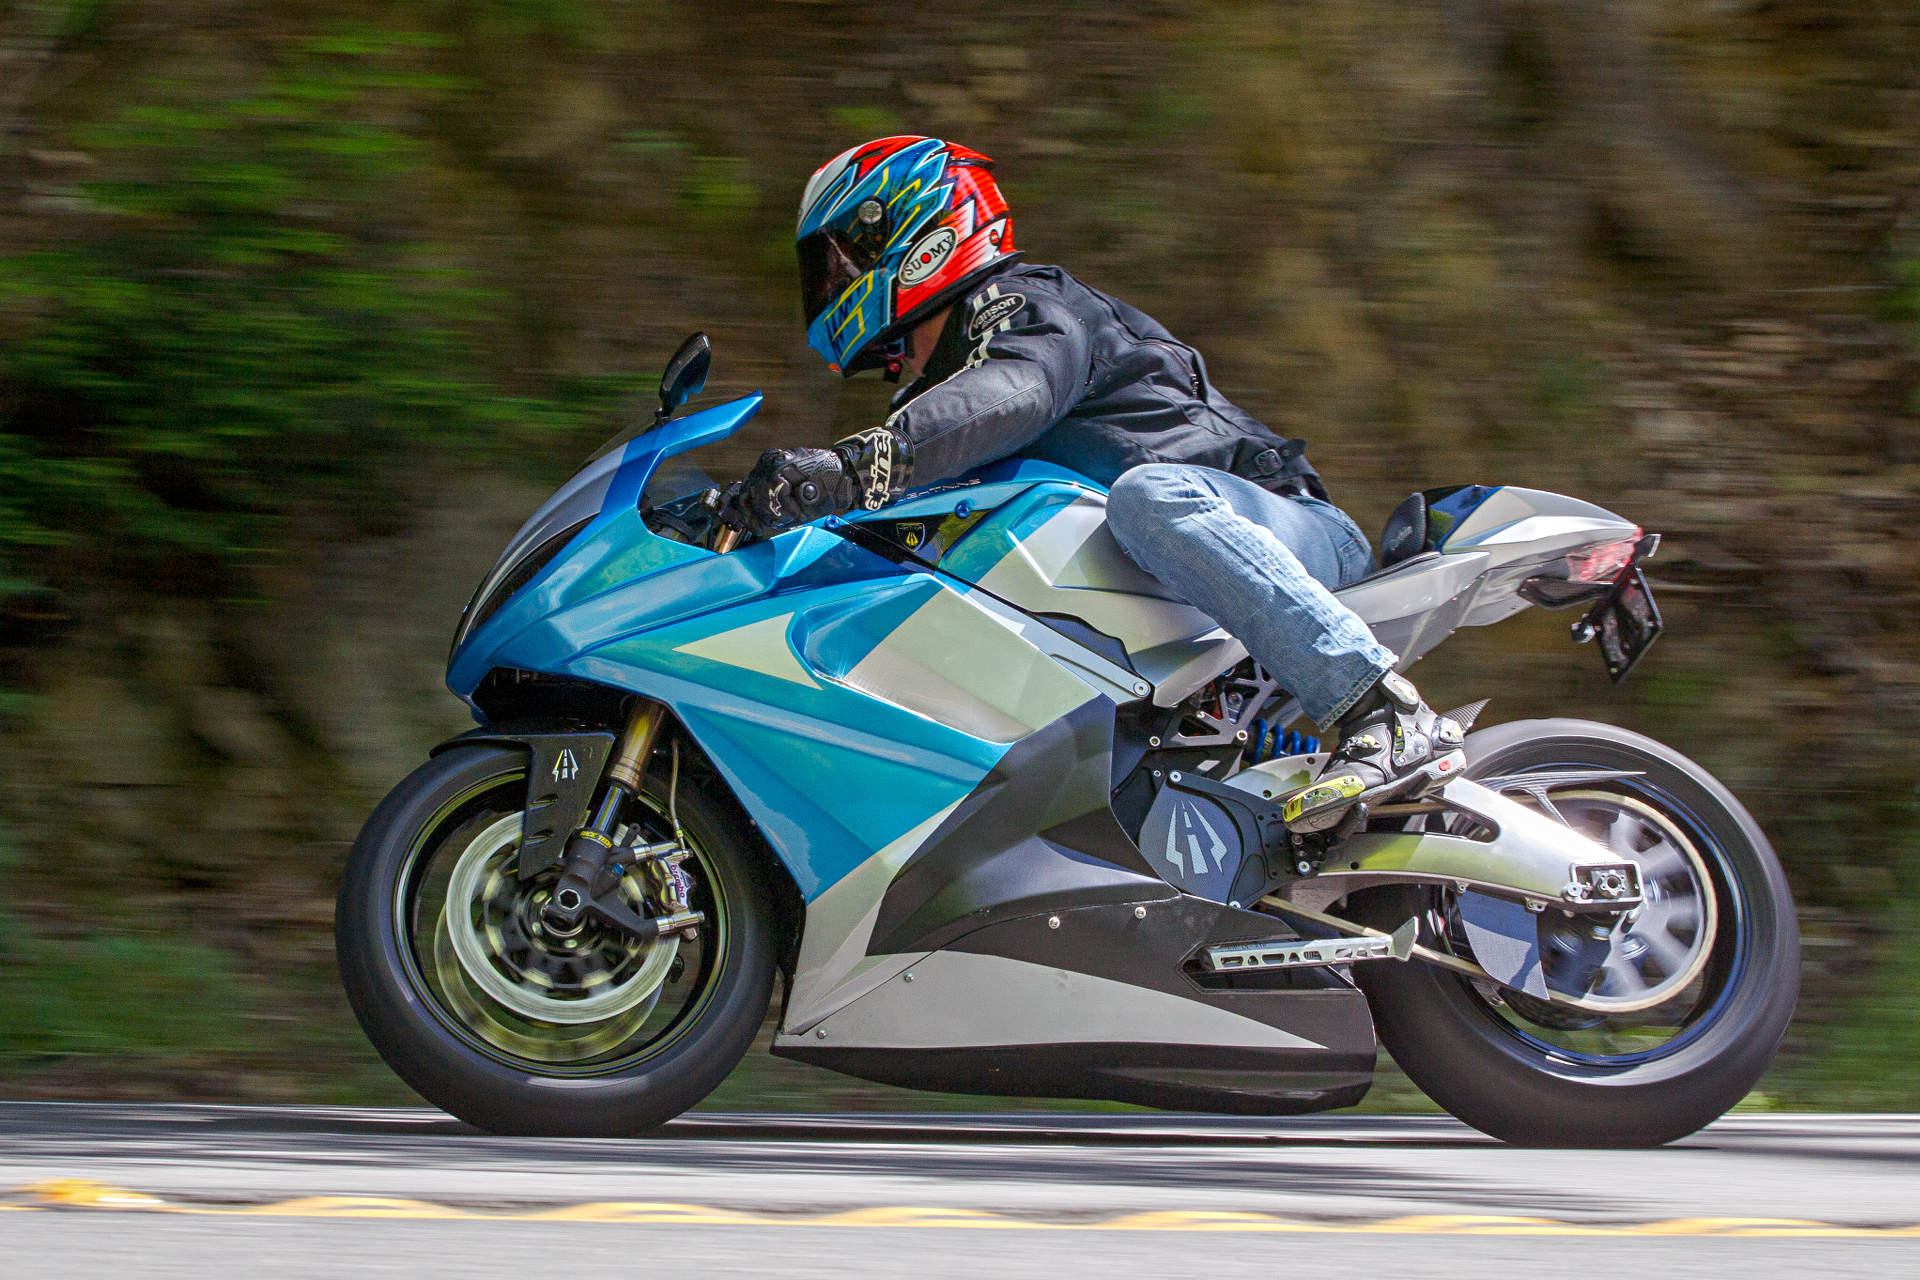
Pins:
<point x="1035" y="364"/>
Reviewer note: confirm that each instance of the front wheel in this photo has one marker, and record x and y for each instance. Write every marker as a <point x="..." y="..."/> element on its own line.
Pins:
<point x="1692" y="991"/>
<point x="487" y="1013"/>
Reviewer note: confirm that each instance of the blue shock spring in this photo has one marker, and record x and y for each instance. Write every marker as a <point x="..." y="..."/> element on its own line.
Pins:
<point x="1268" y="742"/>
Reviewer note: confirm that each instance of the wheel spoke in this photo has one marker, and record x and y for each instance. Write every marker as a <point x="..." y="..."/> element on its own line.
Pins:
<point x="1682" y="914"/>
<point x="1620" y="833"/>
<point x="1665" y="950"/>
<point x="1662" y="861"/>
<point x="1619" y="978"/>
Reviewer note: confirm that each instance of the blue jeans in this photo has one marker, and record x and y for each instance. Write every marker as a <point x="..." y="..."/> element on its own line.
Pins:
<point x="1262" y="566"/>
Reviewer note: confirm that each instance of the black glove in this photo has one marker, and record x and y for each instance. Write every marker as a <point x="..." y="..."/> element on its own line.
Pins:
<point x="792" y="486"/>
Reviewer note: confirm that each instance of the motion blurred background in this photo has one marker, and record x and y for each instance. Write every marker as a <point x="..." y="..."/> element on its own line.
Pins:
<point x="304" y="306"/>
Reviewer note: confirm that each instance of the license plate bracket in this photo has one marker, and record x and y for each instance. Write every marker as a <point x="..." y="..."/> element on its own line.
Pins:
<point x="1625" y="621"/>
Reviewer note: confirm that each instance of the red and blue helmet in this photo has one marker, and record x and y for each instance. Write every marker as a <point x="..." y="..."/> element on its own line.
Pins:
<point x="889" y="232"/>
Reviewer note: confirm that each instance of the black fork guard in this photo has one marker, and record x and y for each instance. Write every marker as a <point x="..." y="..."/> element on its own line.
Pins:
<point x="564" y="768"/>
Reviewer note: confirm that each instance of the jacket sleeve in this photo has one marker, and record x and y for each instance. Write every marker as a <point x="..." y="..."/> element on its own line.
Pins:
<point x="1027" y="370"/>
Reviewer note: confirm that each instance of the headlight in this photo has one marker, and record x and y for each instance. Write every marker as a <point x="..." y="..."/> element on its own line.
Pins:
<point x="506" y="579"/>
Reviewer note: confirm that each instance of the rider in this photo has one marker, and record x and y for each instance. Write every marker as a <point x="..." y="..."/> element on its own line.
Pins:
<point x="907" y="262"/>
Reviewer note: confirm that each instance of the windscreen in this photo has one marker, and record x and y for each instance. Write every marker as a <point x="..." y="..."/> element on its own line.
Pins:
<point x="675" y="478"/>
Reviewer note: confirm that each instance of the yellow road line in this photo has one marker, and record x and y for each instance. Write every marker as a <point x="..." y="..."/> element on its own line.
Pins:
<point x="75" y="1193"/>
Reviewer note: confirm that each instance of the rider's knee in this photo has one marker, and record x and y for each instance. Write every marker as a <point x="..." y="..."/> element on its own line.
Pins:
<point x="1141" y="496"/>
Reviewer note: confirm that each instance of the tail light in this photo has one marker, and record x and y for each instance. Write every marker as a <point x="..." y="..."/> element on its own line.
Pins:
<point x="1588" y="572"/>
<point x="1603" y="561"/>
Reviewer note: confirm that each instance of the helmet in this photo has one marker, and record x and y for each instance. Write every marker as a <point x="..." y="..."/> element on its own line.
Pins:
<point x="889" y="232"/>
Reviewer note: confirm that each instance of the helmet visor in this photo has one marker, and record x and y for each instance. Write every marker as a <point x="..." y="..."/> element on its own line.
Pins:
<point x="829" y="262"/>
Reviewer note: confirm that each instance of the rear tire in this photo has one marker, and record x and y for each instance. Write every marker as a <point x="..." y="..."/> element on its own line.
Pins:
<point x="1485" y="1069"/>
<point x="419" y="1032"/>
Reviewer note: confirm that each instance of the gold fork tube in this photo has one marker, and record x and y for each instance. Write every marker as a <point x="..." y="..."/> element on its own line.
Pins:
<point x="628" y="767"/>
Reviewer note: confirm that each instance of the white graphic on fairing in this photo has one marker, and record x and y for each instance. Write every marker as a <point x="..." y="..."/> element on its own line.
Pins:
<point x="1189" y="821"/>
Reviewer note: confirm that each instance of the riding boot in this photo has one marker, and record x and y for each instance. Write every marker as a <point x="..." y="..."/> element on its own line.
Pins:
<point x="1392" y="746"/>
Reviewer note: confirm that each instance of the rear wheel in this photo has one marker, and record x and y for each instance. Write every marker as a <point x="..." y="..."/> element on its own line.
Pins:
<point x="1695" y="988"/>
<point x="486" y="1012"/>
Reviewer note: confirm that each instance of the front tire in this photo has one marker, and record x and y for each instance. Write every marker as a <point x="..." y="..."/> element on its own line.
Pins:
<point x="438" y="962"/>
<point x="1523" y="1073"/>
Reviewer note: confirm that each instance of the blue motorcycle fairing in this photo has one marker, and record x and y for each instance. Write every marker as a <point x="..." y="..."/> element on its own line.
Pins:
<point x="831" y="772"/>
<point x="982" y="489"/>
<point x="610" y="545"/>
<point x="756" y="652"/>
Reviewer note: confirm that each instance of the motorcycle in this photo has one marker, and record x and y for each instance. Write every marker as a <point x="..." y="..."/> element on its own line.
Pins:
<point x="1004" y="816"/>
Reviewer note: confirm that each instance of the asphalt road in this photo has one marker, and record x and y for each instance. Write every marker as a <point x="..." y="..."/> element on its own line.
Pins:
<point x="110" y="1189"/>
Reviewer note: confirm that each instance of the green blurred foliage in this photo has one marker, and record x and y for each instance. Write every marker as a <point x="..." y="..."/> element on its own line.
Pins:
<point x="258" y="322"/>
<point x="136" y="1001"/>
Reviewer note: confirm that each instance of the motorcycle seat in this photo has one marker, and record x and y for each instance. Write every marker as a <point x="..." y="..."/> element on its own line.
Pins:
<point x="1405" y="535"/>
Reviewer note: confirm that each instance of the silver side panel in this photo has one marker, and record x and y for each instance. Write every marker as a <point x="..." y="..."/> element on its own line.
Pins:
<point x="1189" y="664"/>
<point x="959" y="1000"/>
<point x="1413" y="607"/>
<point x="1111" y="679"/>
<point x="1072" y="565"/>
<point x="1515" y="518"/>
<point x="834" y="968"/>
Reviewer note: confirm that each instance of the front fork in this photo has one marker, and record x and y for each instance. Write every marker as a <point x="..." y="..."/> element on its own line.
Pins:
<point x="593" y="863"/>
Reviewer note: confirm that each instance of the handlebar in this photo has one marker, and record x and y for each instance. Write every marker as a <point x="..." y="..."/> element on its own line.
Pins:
<point x="726" y="531"/>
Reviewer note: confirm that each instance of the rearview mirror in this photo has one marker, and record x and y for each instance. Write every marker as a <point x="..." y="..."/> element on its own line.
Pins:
<point x="685" y="375"/>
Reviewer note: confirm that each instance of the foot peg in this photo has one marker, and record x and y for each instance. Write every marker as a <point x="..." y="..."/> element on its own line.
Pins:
<point x="1306" y="953"/>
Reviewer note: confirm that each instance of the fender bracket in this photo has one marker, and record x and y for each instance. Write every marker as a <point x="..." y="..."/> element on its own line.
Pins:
<point x="563" y="771"/>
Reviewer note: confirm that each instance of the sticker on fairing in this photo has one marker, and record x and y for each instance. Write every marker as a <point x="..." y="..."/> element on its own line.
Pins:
<point x="928" y="255"/>
<point x="994" y="312"/>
